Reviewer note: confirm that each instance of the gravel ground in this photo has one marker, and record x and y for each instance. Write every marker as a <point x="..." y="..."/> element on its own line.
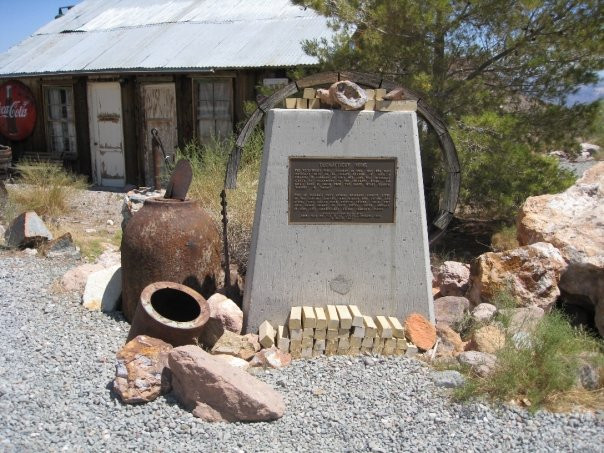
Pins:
<point x="56" y="367"/>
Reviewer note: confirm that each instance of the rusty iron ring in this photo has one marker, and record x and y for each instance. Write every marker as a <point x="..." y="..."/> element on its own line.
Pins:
<point x="447" y="147"/>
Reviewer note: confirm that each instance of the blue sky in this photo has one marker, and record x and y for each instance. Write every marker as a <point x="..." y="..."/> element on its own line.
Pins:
<point x="20" y="18"/>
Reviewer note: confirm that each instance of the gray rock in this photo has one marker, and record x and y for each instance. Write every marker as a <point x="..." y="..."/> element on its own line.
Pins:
<point x="481" y="363"/>
<point x="484" y="312"/>
<point x="62" y="247"/>
<point x="523" y="319"/>
<point x="448" y="379"/>
<point x="522" y="340"/>
<point x="450" y="309"/>
<point x="27" y="230"/>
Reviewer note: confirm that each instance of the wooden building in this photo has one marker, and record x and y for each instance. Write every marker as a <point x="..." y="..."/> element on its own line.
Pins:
<point x="109" y="71"/>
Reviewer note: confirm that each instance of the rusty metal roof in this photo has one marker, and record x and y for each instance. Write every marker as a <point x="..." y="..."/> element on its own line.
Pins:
<point x="168" y="35"/>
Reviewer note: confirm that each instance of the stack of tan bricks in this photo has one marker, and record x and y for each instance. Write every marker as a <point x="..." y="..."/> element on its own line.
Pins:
<point x="335" y="329"/>
<point x="309" y="100"/>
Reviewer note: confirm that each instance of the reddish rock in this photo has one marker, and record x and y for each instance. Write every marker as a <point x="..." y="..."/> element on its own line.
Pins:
<point x="450" y="344"/>
<point x="453" y="278"/>
<point x="75" y="279"/>
<point x="140" y="373"/>
<point x="216" y="391"/>
<point x="271" y="358"/>
<point x="420" y="331"/>
<point x="242" y="346"/>
<point x="450" y="309"/>
<point x="531" y="274"/>
<point x="224" y="315"/>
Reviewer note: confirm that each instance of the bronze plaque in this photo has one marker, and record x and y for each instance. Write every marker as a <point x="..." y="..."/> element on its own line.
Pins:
<point x="341" y="190"/>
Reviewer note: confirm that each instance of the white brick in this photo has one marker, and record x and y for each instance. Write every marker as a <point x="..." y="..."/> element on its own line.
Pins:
<point x="282" y="338"/>
<point x="320" y="334"/>
<point x="333" y="320"/>
<point x="308" y="332"/>
<point x="295" y="334"/>
<point x="357" y="317"/>
<point x="295" y="318"/>
<point x="308" y="317"/>
<point x="266" y="334"/>
<point x="358" y="332"/>
<point x="383" y="326"/>
<point x="321" y="318"/>
<point x="332" y="335"/>
<point x="397" y="328"/>
<point x="345" y="317"/>
<point x="370" y="327"/>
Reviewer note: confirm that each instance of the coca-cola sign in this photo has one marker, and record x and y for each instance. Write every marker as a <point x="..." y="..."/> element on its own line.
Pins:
<point x="17" y="111"/>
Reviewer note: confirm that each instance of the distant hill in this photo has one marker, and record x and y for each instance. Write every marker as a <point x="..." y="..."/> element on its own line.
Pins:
<point x="588" y="93"/>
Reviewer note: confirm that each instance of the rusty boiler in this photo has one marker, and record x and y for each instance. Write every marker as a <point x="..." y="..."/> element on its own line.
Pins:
<point x="169" y="240"/>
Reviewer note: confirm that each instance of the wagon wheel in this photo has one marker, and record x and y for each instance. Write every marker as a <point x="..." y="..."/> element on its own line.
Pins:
<point x="451" y="193"/>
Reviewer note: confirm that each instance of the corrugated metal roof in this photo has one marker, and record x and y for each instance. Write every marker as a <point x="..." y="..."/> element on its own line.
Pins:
<point x="159" y="35"/>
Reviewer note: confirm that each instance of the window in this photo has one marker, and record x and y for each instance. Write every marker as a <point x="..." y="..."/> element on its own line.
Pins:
<point x="214" y="108"/>
<point x="60" y="121"/>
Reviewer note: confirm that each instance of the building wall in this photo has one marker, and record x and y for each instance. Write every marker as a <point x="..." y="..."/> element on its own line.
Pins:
<point x="244" y="83"/>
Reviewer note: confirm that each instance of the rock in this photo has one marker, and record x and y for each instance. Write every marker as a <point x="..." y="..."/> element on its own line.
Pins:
<point x="140" y="370"/>
<point x="109" y="258"/>
<point x="30" y="251"/>
<point x="110" y="222"/>
<point x="224" y="315"/>
<point x="271" y="358"/>
<point x="134" y="200"/>
<point x="572" y="222"/>
<point x="450" y="341"/>
<point x="242" y="346"/>
<point x="348" y="95"/>
<point x="420" y="331"/>
<point x="27" y="230"/>
<point x="103" y="289"/>
<point x="589" y="375"/>
<point x="450" y="309"/>
<point x="453" y="278"/>
<point x="531" y="274"/>
<point x="523" y="319"/>
<point x="75" y="279"/>
<point x="449" y="379"/>
<point x="484" y="312"/>
<point x="217" y="391"/>
<point x="62" y="247"/>
<point x="233" y="361"/>
<point x="522" y="340"/>
<point x="480" y="363"/>
<point x="488" y="339"/>
<point x="2" y="233"/>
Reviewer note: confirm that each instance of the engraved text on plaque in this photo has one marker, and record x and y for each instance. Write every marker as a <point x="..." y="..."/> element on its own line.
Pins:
<point x="340" y="190"/>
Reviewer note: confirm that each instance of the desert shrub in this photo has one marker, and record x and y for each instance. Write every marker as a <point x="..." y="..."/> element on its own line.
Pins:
<point x="543" y="370"/>
<point x="505" y="239"/>
<point x="47" y="187"/>
<point x="209" y="163"/>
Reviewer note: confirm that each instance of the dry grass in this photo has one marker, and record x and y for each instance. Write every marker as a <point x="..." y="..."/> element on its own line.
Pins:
<point x="505" y="239"/>
<point x="209" y="166"/>
<point x="46" y="188"/>
<point x="577" y="399"/>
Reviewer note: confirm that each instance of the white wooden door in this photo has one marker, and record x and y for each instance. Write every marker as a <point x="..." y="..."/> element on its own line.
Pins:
<point x="159" y="112"/>
<point x="106" y="134"/>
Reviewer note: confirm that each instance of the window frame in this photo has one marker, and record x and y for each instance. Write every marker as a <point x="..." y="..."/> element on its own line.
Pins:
<point x="196" y="106"/>
<point x="72" y="153"/>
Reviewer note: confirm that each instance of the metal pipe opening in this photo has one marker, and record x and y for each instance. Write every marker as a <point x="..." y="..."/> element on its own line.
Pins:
<point x="175" y="305"/>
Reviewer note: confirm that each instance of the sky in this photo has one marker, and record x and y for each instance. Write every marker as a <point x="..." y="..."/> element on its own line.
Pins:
<point x="21" y="18"/>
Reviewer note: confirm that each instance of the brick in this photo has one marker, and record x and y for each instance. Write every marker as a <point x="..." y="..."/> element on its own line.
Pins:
<point x="308" y="317"/>
<point x="367" y="342"/>
<point x="320" y="334"/>
<point x="396" y="106"/>
<point x="365" y="349"/>
<point x="266" y="334"/>
<point x="314" y="104"/>
<point x="301" y="104"/>
<point x="317" y="353"/>
<point x="401" y="344"/>
<point x="295" y="345"/>
<point x="345" y="317"/>
<point x="321" y="318"/>
<point x="355" y="342"/>
<point x="343" y="333"/>
<point x="282" y="338"/>
<point x="397" y="328"/>
<point x="357" y="317"/>
<point x="331" y="346"/>
<point x="319" y="345"/>
<point x="307" y="342"/>
<point x="295" y="334"/>
<point x="383" y="327"/>
<point x="354" y="350"/>
<point x="378" y="345"/>
<point x="309" y="93"/>
<point x="370" y="327"/>
<point x="295" y="318"/>
<point x="344" y="343"/>
<point x="306" y="353"/>
<point x="308" y="332"/>
<point x="411" y="350"/>
<point x="370" y="94"/>
<point x="390" y="343"/>
<point x="369" y="105"/>
<point x="297" y="354"/>
<point x="332" y="335"/>
<point x="379" y="94"/>
<point x="358" y="332"/>
<point x="333" y="320"/>
<point x="290" y="103"/>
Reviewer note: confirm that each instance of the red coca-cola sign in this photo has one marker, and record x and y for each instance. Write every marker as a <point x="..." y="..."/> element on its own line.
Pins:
<point x="17" y="111"/>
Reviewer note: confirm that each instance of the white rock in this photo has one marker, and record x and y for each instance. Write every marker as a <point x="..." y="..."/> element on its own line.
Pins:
<point x="233" y="361"/>
<point x="453" y="278"/>
<point x="110" y="222"/>
<point x="484" y="312"/>
<point x="103" y="289"/>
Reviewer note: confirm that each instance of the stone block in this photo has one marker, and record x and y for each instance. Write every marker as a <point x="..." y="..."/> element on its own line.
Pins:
<point x="321" y="318"/>
<point x="283" y="338"/>
<point x="320" y="334"/>
<point x="367" y="342"/>
<point x="27" y="230"/>
<point x="307" y="342"/>
<point x="309" y="93"/>
<point x="295" y="334"/>
<point x="344" y="343"/>
<point x="308" y="318"/>
<point x="330" y="265"/>
<point x="295" y="345"/>
<point x="355" y="342"/>
<point x="319" y="345"/>
<point x="357" y="317"/>
<point x="306" y="353"/>
<point x="103" y="289"/>
<point x="397" y="328"/>
<point x="295" y="318"/>
<point x="343" y="333"/>
<point x="370" y="327"/>
<point x="308" y="332"/>
<point x="332" y="334"/>
<point x="266" y="334"/>
<point x="383" y="327"/>
<point x="358" y="332"/>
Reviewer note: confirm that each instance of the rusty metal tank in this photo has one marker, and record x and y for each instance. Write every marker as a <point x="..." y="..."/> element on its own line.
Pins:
<point x="169" y="240"/>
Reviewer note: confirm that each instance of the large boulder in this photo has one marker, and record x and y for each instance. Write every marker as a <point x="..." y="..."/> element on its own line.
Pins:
<point x="27" y="230"/>
<point x="140" y="370"/>
<point x="450" y="344"/>
<point x="572" y="222"/>
<point x="453" y="278"/>
<point x="224" y="315"/>
<point x="450" y="309"/>
<point x="216" y="391"/>
<point x="103" y="289"/>
<point x="531" y="274"/>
